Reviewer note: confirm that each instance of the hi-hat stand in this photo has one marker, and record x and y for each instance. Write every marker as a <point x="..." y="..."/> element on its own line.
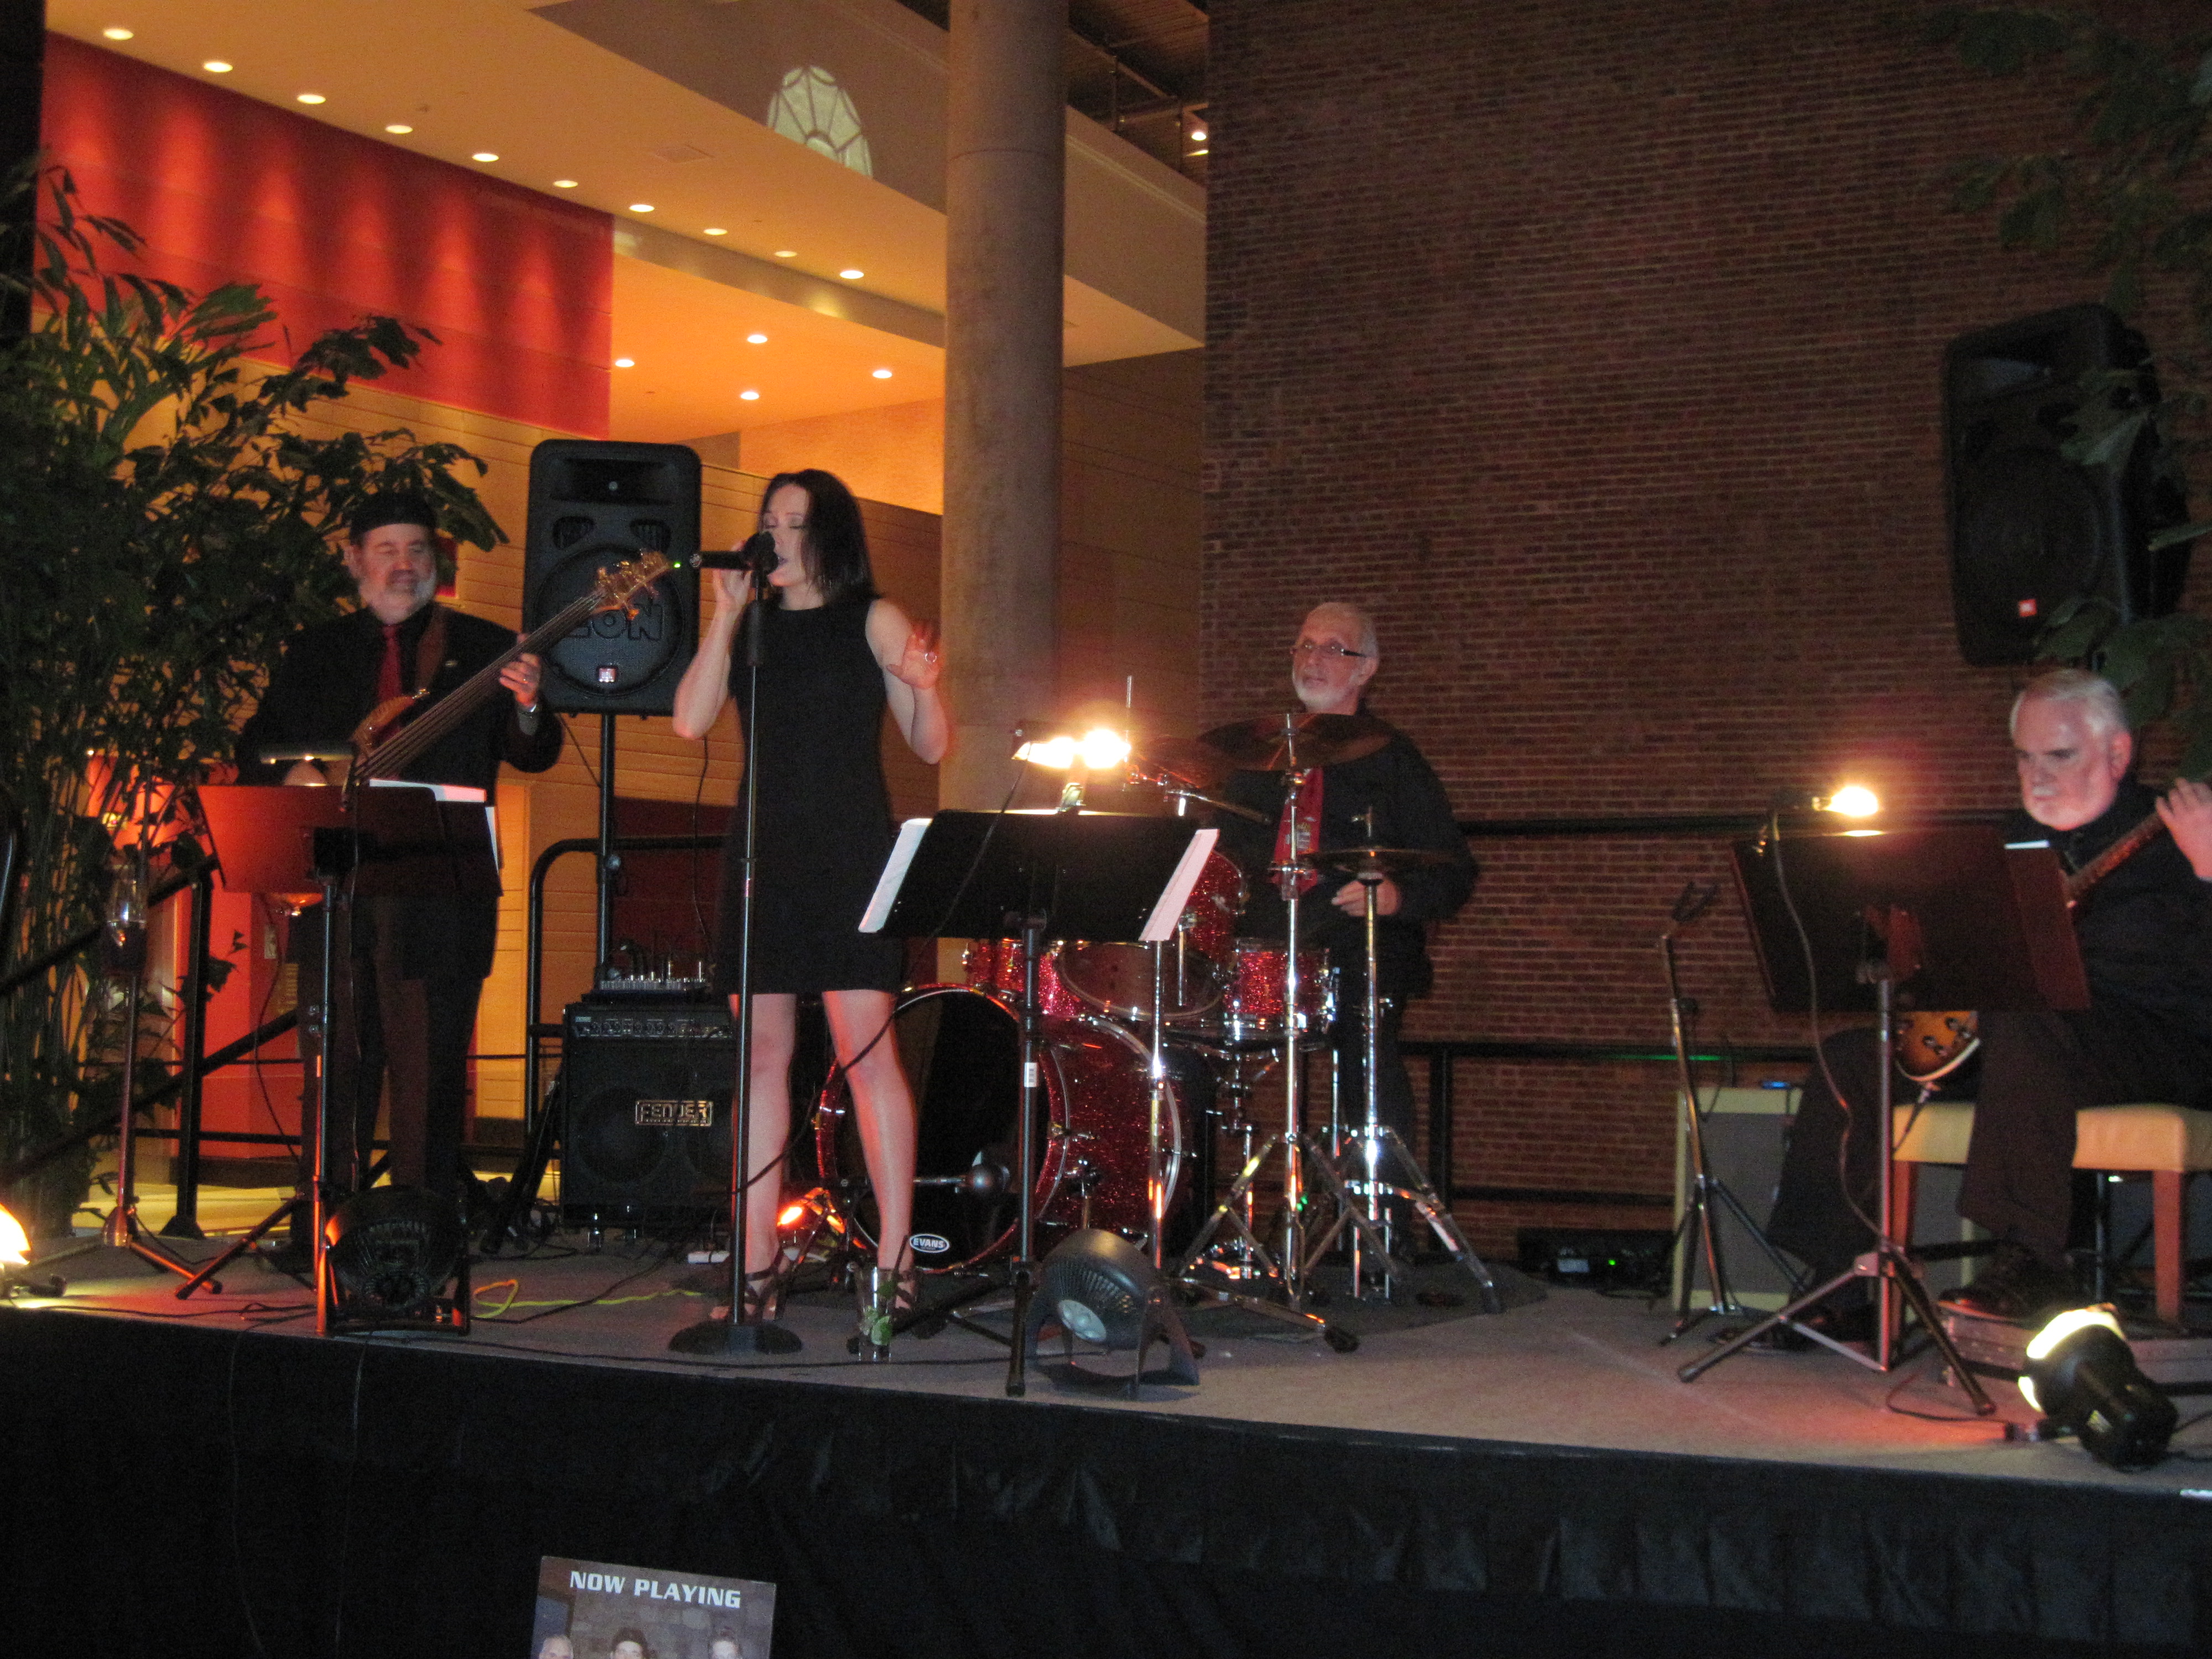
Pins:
<point x="1379" y="1145"/>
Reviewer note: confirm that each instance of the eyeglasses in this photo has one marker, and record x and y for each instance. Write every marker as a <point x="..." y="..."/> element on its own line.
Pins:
<point x="1330" y="649"/>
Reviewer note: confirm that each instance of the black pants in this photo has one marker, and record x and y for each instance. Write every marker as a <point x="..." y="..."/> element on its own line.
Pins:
<point x="416" y="1032"/>
<point x="2037" y="1071"/>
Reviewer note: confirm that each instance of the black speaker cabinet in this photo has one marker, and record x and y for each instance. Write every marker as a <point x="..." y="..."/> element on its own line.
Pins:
<point x="593" y="504"/>
<point x="645" y="1130"/>
<point x="2029" y="527"/>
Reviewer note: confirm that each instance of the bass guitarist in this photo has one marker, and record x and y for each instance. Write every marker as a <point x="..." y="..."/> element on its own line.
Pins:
<point x="2145" y="929"/>
<point x="417" y="966"/>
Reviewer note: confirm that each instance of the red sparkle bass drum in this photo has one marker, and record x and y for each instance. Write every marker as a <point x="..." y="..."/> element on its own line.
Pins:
<point x="961" y="1049"/>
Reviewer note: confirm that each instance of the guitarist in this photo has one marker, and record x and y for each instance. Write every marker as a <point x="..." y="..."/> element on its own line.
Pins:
<point x="2146" y="936"/>
<point x="418" y="966"/>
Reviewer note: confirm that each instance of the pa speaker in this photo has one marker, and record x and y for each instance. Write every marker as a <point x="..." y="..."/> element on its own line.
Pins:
<point x="592" y="505"/>
<point x="644" y="1130"/>
<point x="2030" y="528"/>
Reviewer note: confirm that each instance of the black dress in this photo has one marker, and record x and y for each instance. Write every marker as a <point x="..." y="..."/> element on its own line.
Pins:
<point x="825" y="813"/>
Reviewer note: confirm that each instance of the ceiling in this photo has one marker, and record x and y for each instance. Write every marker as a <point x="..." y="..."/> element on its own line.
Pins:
<point x="724" y="228"/>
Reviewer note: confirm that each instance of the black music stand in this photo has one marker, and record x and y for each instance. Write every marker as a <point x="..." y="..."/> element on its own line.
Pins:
<point x="1037" y="877"/>
<point x="344" y="844"/>
<point x="1948" y="918"/>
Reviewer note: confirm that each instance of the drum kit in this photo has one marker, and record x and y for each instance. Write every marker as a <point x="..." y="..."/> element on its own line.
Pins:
<point x="1153" y="1051"/>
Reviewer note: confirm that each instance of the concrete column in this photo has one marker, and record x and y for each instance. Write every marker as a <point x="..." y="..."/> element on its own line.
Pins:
<point x="1006" y="161"/>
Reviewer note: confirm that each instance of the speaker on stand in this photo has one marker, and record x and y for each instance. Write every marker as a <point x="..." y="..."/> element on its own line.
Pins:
<point x="592" y="505"/>
<point x="2029" y="527"/>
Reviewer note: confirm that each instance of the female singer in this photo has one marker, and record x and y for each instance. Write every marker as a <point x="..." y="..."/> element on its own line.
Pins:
<point x="834" y="654"/>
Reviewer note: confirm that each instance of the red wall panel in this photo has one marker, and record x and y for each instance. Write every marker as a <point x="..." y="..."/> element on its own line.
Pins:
<point x="518" y="286"/>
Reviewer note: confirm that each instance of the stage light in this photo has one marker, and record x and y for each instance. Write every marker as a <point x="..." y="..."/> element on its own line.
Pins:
<point x="1098" y="1288"/>
<point x="391" y="1251"/>
<point x="791" y="1213"/>
<point x="14" y="1243"/>
<point x="1853" y="800"/>
<point x="2082" y="1375"/>
<point x="1099" y="749"/>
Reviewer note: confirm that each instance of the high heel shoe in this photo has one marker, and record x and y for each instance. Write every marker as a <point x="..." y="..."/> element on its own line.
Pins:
<point x="764" y="1295"/>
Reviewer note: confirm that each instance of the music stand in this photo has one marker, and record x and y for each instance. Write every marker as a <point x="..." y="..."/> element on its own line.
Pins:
<point x="1037" y="877"/>
<point x="1949" y="918"/>
<point x="286" y="841"/>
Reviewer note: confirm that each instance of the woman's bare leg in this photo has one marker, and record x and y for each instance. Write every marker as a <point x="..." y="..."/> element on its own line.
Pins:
<point x="775" y="1023"/>
<point x="883" y="1108"/>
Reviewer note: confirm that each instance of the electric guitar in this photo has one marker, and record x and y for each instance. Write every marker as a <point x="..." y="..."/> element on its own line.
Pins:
<point x="1931" y="1043"/>
<point x="400" y="730"/>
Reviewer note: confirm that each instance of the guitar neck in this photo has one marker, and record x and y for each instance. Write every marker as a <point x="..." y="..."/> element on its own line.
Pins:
<point x="412" y="740"/>
<point x="2113" y="857"/>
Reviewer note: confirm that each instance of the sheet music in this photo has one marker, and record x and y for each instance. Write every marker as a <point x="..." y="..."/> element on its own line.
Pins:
<point x="467" y="794"/>
<point x="1161" y="927"/>
<point x="887" y="884"/>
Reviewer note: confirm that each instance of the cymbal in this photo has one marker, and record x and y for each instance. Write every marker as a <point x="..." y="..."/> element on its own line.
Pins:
<point x="1184" y="761"/>
<point x="1391" y="860"/>
<point x="1274" y="743"/>
<point x="1215" y="803"/>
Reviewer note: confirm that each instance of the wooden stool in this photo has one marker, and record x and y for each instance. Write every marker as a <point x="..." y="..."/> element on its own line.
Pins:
<point x="2167" y="1142"/>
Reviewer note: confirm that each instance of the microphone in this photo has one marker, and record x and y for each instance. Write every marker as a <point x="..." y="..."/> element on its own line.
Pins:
<point x="758" y="554"/>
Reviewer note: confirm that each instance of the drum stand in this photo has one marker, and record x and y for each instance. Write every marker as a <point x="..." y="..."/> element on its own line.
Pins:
<point x="1289" y="1266"/>
<point x="1380" y="1143"/>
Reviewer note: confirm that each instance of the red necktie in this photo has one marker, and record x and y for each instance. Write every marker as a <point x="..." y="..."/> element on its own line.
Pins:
<point x="389" y="683"/>
<point x="1299" y="831"/>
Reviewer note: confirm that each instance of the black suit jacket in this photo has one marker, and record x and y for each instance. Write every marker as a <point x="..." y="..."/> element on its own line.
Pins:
<point x="325" y="682"/>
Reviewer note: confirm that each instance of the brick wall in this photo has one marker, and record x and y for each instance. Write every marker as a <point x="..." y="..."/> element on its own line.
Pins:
<point x="1594" y="347"/>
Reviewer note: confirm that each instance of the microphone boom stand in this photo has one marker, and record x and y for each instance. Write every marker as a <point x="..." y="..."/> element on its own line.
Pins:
<point x="742" y="1332"/>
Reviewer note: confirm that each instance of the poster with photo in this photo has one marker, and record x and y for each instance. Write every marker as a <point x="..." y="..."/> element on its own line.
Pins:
<point x="601" y="1610"/>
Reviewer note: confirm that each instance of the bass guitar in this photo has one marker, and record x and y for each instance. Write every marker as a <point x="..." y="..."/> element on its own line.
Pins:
<point x="401" y="730"/>
<point x="1931" y="1043"/>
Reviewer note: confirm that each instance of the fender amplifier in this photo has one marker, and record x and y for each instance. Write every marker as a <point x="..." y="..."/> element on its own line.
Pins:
<point x="644" y="1101"/>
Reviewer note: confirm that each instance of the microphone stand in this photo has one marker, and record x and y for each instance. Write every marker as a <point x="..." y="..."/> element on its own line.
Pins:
<point x="742" y="1332"/>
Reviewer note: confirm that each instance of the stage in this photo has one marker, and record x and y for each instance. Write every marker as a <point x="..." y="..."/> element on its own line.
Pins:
<point x="210" y="1478"/>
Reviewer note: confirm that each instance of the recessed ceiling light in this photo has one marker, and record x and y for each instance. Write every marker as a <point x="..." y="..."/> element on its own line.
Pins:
<point x="640" y="207"/>
<point x="756" y="339"/>
<point x="397" y="126"/>
<point x="625" y="363"/>
<point x="564" y="183"/>
<point x="713" y="230"/>
<point x="313" y="98"/>
<point x="750" y="395"/>
<point x="786" y="254"/>
<point x="215" y="66"/>
<point x="851" y="273"/>
<point x="881" y="373"/>
<point x="1198" y="138"/>
<point x="483" y="155"/>
<point x="117" y="33"/>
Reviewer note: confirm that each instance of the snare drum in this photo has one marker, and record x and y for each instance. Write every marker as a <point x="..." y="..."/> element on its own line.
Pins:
<point x="1252" y="1006"/>
<point x="1118" y="978"/>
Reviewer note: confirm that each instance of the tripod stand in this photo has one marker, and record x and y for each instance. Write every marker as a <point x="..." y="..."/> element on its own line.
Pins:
<point x="1708" y="1193"/>
<point x="1954" y="915"/>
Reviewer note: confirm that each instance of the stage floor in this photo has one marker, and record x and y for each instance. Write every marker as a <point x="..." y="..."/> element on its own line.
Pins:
<point x="1574" y="1369"/>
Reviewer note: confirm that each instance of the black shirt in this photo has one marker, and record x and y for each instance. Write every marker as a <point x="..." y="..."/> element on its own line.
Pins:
<point x="2146" y="929"/>
<point x="1410" y="810"/>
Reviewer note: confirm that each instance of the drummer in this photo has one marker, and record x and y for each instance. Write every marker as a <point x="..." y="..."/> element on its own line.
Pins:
<point x="1335" y="657"/>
